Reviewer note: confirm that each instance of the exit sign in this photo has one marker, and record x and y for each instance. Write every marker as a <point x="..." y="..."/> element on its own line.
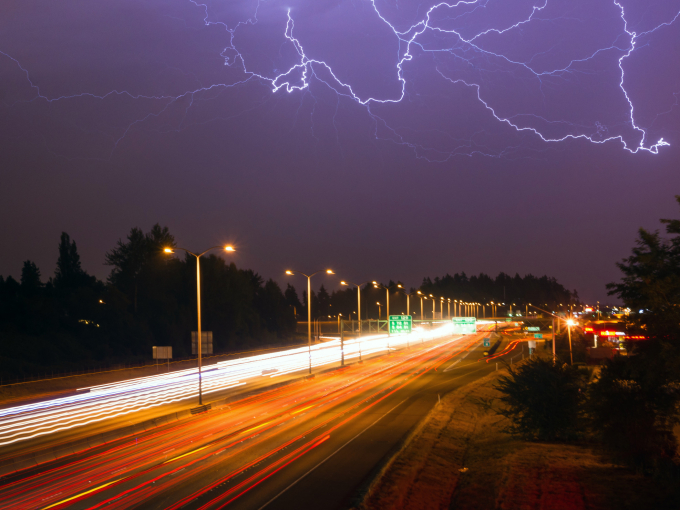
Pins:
<point x="533" y="328"/>
<point x="400" y="324"/>
<point x="464" y="325"/>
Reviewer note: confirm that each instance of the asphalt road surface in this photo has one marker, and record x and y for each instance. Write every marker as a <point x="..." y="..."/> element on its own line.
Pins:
<point x="313" y="444"/>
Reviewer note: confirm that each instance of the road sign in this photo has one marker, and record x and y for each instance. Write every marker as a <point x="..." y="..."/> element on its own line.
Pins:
<point x="464" y="325"/>
<point x="533" y="328"/>
<point x="206" y="343"/>
<point x="400" y="324"/>
<point x="487" y="342"/>
<point x="532" y="344"/>
<point x="538" y="335"/>
<point x="164" y="352"/>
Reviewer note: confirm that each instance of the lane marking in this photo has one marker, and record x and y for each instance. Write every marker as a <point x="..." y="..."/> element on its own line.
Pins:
<point x="452" y="365"/>
<point x="81" y="494"/>
<point x="468" y="351"/>
<point x="331" y="455"/>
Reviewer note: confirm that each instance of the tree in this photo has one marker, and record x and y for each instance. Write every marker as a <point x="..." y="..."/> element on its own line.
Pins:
<point x="635" y="404"/>
<point x="324" y="301"/>
<point x="543" y="400"/>
<point x="292" y="299"/>
<point x="130" y="259"/>
<point x="633" y="409"/>
<point x="30" y="277"/>
<point x="69" y="274"/>
<point x="651" y="283"/>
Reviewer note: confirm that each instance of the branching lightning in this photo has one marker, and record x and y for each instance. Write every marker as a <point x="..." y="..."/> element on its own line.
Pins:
<point x="415" y="45"/>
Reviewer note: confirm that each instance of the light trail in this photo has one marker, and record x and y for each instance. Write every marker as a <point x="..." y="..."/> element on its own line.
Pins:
<point x="112" y="400"/>
<point x="354" y="383"/>
<point x="281" y="410"/>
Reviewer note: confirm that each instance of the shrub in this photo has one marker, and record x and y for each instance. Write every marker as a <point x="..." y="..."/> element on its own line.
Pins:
<point x="543" y="400"/>
<point x="633" y="409"/>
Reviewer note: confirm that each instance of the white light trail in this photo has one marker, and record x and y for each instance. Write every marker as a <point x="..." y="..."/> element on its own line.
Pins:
<point x="117" y="399"/>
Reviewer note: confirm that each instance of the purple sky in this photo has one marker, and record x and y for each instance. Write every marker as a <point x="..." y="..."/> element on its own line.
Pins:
<point x="387" y="139"/>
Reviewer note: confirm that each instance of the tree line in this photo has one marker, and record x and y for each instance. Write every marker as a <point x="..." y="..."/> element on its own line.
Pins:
<point x="149" y="298"/>
<point x="481" y="288"/>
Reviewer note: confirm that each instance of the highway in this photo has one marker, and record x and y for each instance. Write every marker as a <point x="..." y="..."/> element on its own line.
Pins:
<point x="310" y="444"/>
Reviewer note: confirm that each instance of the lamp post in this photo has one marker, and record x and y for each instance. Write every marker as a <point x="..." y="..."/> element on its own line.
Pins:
<point x="408" y="298"/>
<point x="433" y="307"/>
<point x="309" y="307"/>
<point x="449" y="311"/>
<point x="387" y="293"/>
<point x="421" y="304"/>
<point x="379" y="313"/>
<point x="358" y="286"/>
<point x="570" y="323"/>
<point x="199" y="339"/>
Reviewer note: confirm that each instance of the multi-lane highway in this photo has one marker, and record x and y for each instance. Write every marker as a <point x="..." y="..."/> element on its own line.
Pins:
<point x="310" y="444"/>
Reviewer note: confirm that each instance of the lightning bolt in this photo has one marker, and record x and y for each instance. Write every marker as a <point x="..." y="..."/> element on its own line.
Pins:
<point x="415" y="41"/>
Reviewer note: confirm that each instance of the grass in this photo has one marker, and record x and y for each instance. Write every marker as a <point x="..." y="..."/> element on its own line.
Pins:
<point x="500" y="471"/>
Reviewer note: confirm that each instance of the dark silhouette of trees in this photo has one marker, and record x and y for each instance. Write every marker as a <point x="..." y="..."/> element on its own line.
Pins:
<point x="323" y="306"/>
<point x="149" y="299"/>
<point x="635" y="403"/>
<point x="543" y="400"/>
<point x="133" y="261"/>
<point x="292" y="299"/>
<point x="30" y="278"/>
<point x="504" y="288"/>
<point x="68" y="275"/>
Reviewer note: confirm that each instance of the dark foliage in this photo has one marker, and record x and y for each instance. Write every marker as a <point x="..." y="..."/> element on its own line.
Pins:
<point x="543" y="400"/>
<point x="636" y="402"/>
<point x="75" y="320"/>
<point x="503" y="288"/>
<point x="633" y="408"/>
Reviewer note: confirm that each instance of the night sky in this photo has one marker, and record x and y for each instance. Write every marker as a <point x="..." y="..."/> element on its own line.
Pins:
<point x="387" y="140"/>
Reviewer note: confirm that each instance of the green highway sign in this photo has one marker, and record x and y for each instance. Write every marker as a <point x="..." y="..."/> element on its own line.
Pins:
<point x="487" y="342"/>
<point x="538" y="335"/>
<point x="464" y="325"/>
<point x="533" y="328"/>
<point x="400" y="324"/>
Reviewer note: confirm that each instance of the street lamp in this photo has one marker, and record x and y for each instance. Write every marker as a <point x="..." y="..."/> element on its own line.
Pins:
<point x="449" y="312"/>
<point x="199" y="339"/>
<point x="379" y="313"/>
<point x="433" y="305"/>
<point x="358" y="286"/>
<point x="421" y="304"/>
<point x="408" y="298"/>
<point x="309" y="307"/>
<point x="570" y="323"/>
<point x="387" y="291"/>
